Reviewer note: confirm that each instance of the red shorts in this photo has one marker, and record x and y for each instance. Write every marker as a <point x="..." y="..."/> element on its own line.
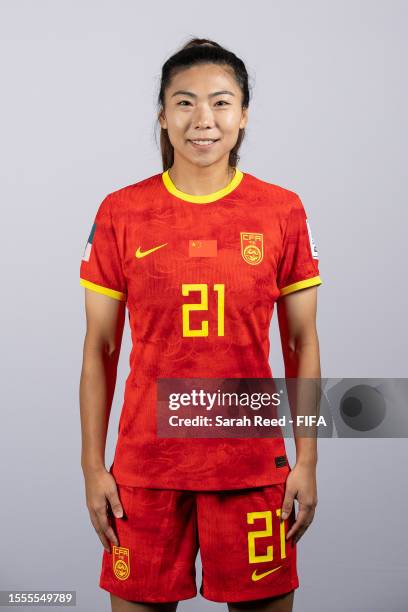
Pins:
<point x="241" y="538"/>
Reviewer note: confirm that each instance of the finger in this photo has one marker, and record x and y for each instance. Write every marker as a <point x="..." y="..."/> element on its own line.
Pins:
<point x="101" y="535"/>
<point x="302" y="531"/>
<point x="111" y="535"/>
<point x="115" y="504"/>
<point x="287" y="504"/>
<point x="301" y="520"/>
<point x="299" y="534"/>
<point x="105" y="526"/>
<point x="305" y="516"/>
<point x="104" y="540"/>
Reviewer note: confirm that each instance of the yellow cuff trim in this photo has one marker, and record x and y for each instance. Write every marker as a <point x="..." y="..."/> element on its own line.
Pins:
<point x="309" y="282"/>
<point x="118" y="295"/>
<point x="202" y="199"/>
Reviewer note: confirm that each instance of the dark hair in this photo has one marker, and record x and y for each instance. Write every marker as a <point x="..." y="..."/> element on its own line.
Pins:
<point x="201" y="51"/>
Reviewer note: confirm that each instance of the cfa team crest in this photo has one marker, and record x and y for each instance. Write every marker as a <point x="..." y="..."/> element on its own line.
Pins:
<point x="121" y="562"/>
<point x="252" y="247"/>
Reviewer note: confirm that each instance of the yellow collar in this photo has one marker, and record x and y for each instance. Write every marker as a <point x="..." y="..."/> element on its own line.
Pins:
<point x="202" y="199"/>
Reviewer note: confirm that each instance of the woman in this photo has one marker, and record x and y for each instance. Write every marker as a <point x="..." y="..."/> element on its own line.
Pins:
<point x="199" y="253"/>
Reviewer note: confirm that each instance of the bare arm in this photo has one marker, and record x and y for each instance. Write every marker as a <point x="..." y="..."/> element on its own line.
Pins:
<point x="105" y="319"/>
<point x="300" y="348"/>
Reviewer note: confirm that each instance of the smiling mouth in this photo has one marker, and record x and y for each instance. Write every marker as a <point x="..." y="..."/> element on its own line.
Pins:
<point x="203" y="143"/>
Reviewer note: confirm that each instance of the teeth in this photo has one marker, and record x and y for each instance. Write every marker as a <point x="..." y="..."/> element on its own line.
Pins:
<point x="203" y="142"/>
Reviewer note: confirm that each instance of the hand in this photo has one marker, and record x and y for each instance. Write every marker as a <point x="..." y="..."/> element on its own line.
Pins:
<point x="300" y="483"/>
<point x="101" y="488"/>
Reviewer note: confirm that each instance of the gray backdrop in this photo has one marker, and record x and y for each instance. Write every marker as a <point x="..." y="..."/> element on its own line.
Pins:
<point x="327" y="120"/>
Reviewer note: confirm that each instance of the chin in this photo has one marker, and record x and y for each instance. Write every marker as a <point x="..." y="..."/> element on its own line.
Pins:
<point x="204" y="163"/>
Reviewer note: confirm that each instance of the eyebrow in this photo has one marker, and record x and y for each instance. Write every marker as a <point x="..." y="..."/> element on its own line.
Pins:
<point x="193" y="95"/>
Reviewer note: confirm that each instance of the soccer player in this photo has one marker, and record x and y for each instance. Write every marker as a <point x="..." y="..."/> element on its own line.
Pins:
<point x="199" y="255"/>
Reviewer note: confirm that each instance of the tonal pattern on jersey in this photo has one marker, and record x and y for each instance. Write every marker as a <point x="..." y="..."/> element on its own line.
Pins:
<point x="200" y="281"/>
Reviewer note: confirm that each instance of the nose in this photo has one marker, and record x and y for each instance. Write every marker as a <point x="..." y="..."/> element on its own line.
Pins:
<point x="203" y="117"/>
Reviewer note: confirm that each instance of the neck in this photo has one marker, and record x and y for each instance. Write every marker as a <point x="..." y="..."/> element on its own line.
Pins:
<point x="201" y="180"/>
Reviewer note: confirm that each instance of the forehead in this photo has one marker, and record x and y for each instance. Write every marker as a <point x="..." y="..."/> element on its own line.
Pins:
<point x="203" y="79"/>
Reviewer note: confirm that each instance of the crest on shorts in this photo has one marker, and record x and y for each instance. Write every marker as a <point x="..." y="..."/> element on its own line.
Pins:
<point x="121" y="562"/>
<point x="252" y="247"/>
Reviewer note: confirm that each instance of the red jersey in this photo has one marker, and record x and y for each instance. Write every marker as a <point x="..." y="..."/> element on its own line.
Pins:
<point x="171" y="256"/>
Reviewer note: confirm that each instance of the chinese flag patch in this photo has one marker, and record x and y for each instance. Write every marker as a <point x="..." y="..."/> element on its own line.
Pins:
<point x="202" y="248"/>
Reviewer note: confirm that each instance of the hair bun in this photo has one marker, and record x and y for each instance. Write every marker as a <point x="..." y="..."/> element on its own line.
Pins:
<point x="200" y="42"/>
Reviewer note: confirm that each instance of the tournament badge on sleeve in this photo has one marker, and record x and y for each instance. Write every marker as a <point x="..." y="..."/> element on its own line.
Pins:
<point x="252" y="247"/>
<point x="121" y="562"/>
<point x="88" y="247"/>
<point x="313" y="246"/>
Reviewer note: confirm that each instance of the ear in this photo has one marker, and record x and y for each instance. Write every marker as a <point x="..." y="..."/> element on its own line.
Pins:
<point x="162" y="119"/>
<point x="244" y="118"/>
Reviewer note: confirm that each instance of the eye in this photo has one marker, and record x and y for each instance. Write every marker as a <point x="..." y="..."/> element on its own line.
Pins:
<point x="222" y="102"/>
<point x="182" y="101"/>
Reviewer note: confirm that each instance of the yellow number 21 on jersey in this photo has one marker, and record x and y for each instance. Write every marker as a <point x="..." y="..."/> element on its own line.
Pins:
<point x="202" y="305"/>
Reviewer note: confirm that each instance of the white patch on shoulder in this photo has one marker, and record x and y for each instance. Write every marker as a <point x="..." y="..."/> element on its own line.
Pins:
<point x="313" y="246"/>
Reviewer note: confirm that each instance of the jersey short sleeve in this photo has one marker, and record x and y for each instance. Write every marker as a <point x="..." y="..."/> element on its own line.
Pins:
<point x="299" y="263"/>
<point x="101" y="267"/>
